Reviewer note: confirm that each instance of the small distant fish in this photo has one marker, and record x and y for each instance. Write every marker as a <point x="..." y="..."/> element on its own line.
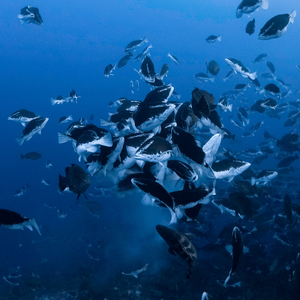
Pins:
<point x="31" y="155"/>
<point x="135" y="44"/>
<point x="250" y="28"/>
<point x="263" y="177"/>
<point x="58" y="100"/>
<point x="45" y="182"/>
<point x="73" y="97"/>
<point x="109" y="69"/>
<point x="137" y="272"/>
<point x="174" y="58"/>
<point x="12" y="220"/>
<point x="124" y="60"/>
<point x="204" y="77"/>
<point x="228" y="75"/>
<point x="276" y="26"/>
<point x="271" y="67"/>
<point x="19" y="192"/>
<point x="260" y="58"/>
<point x="48" y="164"/>
<point x="65" y="119"/>
<point x="61" y="214"/>
<point x="213" y="38"/>
<point x="30" y="14"/>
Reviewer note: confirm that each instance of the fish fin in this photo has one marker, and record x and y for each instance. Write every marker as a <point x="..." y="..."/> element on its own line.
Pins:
<point x="227" y="279"/>
<point x="23" y="124"/>
<point x="292" y="16"/>
<point x="29" y="227"/>
<point x="20" y="141"/>
<point x="219" y="38"/>
<point x="63" y="138"/>
<point x="78" y="197"/>
<point x="264" y="4"/>
<point x="35" y="225"/>
<point x="62" y="183"/>
<point x="252" y="180"/>
<point x="106" y="140"/>
<point x="53" y="101"/>
<point x="85" y="196"/>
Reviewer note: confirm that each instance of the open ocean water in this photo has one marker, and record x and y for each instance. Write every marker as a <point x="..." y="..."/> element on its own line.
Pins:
<point x="89" y="251"/>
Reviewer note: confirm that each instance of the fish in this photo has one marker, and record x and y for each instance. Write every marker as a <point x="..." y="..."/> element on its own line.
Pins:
<point x="143" y="54"/>
<point x="204" y="77"/>
<point x="263" y="177"/>
<point x="285" y="162"/>
<point x="12" y="220"/>
<point x="179" y="245"/>
<point x="237" y="251"/>
<point x="228" y="75"/>
<point x="72" y="96"/>
<point x="124" y="60"/>
<point x="137" y="272"/>
<point x="109" y="69"/>
<point x="213" y="38"/>
<point x="250" y="6"/>
<point x="259" y="58"/>
<point x="238" y="67"/>
<point x="174" y="58"/>
<point x="93" y="207"/>
<point x="58" y="100"/>
<point x="183" y="170"/>
<point x="23" y="116"/>
<point x="31" y="155"/>
<point x="65" y="119"/>
<point x="45" y="182"/>
<point x="213" y="67"/>
<point x="163" y="72"/>
<point x="48" y="164"/>
<point x="147" y="71"/>
<point x="250" y="28"/>
<point x="132" y="46"/>
<point x="34" y="126"/>
<point x="276" y="26"/>
<point x="30" y="14"/>
<point x="76" y="180"/>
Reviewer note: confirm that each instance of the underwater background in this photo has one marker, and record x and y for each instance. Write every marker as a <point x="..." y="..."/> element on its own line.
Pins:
<point x="70" y="51"/>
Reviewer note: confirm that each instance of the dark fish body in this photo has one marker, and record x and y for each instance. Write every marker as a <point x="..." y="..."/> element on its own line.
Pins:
<point x="187" y="145"/>
<point x="159" y="95"/>
<point x="249" y="6"/>
<point x="147" y="71"/>
<point x="260" y="58"/>
<point x="250" y="28"/>
<point x="135" y="44"/>
<point x="271" y="67"/>
<point x="237" y="248"/>
<point x="31" y="155"/>
<point x="13" y="220"/>
<point x="213" y="67"/>
<point x="155" y="189"/>
<point x="179" y="244"/>
<point x="108" y="70"/>
<point x="213" y="38"/>
<point x="64" y="119"/>
<point x="34" y="126"/>
<point x="29" y="15"/>
<point x="276" y="26"/>
<point x="287" y="161"/>
<point x="124" y="60"/>
<point x="76" y="180"/>
<point x="183" y="170"/>
<point x="163" y="72"/>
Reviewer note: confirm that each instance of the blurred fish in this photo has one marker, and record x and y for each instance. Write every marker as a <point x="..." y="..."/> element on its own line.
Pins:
<point x="204" y="77"/>
<point x="135" y="44"/>
<point x="229" y="74"/>
<point x="65" y="119"/>
<point x="250" y="28"/>
<point x="31" y="155"/>
<point x="12" y="220"/>
<point x="58" y="100"/>
<point x="124" y="60"/>
<point x="213" y="38"/>
<point x="179" y="244"/>
<point x="248" y="7"/>
<point x="163" y="72"/>
<point x="93" y="207"/>
<point x="76" y="180"/>
<point x="109" y="69"/>
<point x="260" y="58"/>
<point x="48" y="164"/>
<point x="263" y="177"/>
<point x="45" y="182"/>
<point x="30" y="14"/>
<point x="212" y="67"/>
<point x="271" y="67"/>
<point x="137" y="272"/>
<point x="276" y="26"/>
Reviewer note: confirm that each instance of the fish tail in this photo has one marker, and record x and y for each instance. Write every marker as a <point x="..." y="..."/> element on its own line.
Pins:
<point x="292" y="16"/>
<point x="20" y="140"/>
<point x="63" y="138"/>
<point x="32" y="222"/>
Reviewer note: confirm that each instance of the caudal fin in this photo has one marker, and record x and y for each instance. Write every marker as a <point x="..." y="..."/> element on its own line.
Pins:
<point x="264" y="4"/>
<point x="33" y="223"/>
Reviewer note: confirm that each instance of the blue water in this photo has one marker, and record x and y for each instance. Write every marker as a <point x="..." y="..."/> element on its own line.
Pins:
<point x="70" y="51"/>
